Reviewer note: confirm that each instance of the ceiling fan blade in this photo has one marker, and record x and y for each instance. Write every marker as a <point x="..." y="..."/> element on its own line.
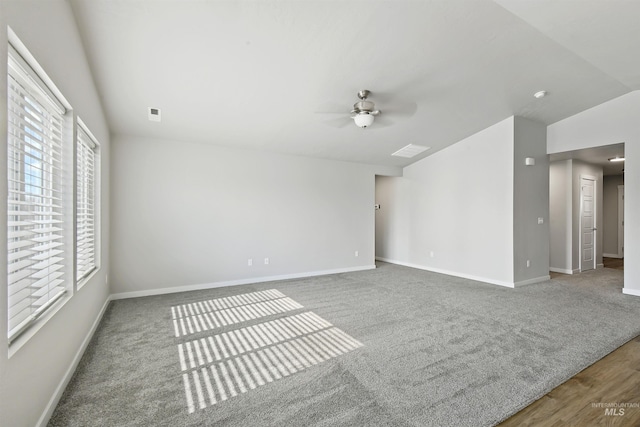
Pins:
<point x="331" y="109"/>
<point x="400" y="108"/>
<point x="382" y="121"/>
<point x="339" y="122"/>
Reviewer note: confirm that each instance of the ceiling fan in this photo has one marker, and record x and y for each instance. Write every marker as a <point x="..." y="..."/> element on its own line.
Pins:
<point x="364" y="112"/>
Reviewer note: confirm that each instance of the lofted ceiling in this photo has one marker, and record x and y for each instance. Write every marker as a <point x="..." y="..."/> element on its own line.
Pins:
<point x="283" y="75"/>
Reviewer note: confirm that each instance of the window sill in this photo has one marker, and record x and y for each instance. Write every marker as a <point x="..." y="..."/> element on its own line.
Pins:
<point x="42" y="321"/>
<point x="80" y="283"/>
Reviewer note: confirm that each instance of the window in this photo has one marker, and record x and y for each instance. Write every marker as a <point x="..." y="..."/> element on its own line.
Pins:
<point x="85" y="203"/>
<point x="36" y="232"/>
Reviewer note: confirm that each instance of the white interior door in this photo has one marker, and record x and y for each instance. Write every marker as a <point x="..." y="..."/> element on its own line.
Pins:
<point x="621" y="221"/>
<point x="587" y="225"/>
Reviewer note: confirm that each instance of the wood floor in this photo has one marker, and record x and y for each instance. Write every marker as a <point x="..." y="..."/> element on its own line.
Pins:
<point x="617" y="263"/>
<point x="615" y="379"/>
<point x="581" y="401"/>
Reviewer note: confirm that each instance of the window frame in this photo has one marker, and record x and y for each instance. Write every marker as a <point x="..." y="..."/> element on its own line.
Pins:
<point x="90" y="139"/>
<point x="26" y="77"/>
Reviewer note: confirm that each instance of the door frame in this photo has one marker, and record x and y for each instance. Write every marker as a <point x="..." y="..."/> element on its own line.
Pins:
<point x="621" y="221"/>
<point x="595" y="222"/>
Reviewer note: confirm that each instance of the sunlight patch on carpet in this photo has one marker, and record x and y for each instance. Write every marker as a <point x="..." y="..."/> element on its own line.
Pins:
<point x="218" y="367"/>
<point x="217" y="313"/>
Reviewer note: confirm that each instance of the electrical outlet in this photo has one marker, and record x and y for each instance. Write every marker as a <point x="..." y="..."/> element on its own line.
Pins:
<point x="106" y="279"/>
<point x="528" y="263"/>
<point x="356" y="253"/>
<point x="250" y="262"/>
<point x="432" y="254"/>
<point x="266" y="261"/>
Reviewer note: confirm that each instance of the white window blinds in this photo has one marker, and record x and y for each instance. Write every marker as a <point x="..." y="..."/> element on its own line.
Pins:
<point x="85" y="204"/>
<point x="36" y="237"/>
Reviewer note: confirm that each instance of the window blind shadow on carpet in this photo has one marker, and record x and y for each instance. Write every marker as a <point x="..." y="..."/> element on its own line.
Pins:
<point x="223" y="365"/>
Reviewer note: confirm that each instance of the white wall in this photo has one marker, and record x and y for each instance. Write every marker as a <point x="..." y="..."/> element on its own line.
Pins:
<point x="456" y="204"/>
<point x="610" y="214"/>
<point x="188" y="215"/>
<point x="34" y="376"/>
<point x="610" y="123"/>
<point x="560" y="216"/>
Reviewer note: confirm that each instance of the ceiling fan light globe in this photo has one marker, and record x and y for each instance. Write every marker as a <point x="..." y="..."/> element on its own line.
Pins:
<point x="363" y="120"/>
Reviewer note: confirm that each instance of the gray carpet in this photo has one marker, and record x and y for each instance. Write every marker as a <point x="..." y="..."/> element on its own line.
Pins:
<point x="435" y="351"/>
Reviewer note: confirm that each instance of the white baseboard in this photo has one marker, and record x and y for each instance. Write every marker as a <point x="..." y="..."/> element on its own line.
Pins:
<point x="629" y="291"/>
<point x="51" y="406"/>
<point x="563" y="270"/>
<point x="171" y="290"/>
<point x="448" y="272"/>
<point x="532" y="281"/>
<point x="612" y="256"/>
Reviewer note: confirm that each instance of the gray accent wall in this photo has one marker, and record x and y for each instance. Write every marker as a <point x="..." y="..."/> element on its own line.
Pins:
<point x="33" y="373"/>
<point x="530" y="201"/>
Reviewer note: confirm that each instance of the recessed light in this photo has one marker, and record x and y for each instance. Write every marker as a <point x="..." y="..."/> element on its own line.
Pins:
<point x="616" y="159"/>
<point x="540" y="94"/>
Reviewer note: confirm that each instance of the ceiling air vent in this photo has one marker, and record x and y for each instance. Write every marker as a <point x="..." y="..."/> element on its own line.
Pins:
<point x="410" y="150"/>
<point x="154" y="114"/>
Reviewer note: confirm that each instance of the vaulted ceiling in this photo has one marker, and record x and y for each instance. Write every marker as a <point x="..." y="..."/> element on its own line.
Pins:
<point x="282" y="75"/>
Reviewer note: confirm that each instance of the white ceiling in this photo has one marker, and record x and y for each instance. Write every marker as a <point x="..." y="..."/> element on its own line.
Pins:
<point x="272" y="74"/>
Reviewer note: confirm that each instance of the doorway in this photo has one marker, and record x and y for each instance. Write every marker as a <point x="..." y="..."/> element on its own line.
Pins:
<point x="614" y="259"/>
<point x="621" y="221"/>
<point x="580" y="238"/>
<point x="588" y="229"/>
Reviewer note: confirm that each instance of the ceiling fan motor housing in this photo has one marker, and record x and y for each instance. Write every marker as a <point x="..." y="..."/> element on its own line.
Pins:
<point x="363" y="106"/>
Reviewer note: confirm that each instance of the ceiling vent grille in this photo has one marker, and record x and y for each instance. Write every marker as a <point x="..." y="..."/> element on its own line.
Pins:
<point x="410" y="150"/>
<point x="154" y="114"/>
